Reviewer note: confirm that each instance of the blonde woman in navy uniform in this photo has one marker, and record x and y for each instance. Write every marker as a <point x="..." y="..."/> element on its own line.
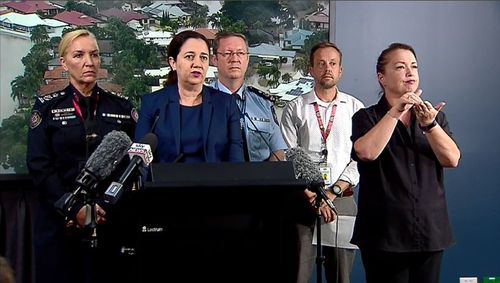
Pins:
<point x="64" y="129"/>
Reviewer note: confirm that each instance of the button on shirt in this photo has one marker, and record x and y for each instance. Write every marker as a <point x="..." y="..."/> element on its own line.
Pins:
<point x="259" y="110"/>
<point x="301" y="129"/>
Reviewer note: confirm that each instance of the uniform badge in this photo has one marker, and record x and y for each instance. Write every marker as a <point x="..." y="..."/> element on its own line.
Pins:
<point x="134" y="114"/>
<point x="275" y="117"/>
<point x="35" y="119"/>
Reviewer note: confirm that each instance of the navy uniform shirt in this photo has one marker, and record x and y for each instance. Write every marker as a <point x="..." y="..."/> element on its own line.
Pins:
<point x="59" y="143"/>
<point x="260" y="125"/>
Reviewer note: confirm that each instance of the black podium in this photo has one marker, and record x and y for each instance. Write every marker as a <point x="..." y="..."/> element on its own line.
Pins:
<point x="214" y="222"/>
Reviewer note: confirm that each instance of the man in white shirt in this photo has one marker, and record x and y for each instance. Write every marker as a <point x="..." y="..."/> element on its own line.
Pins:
<point x="320" y="123"/>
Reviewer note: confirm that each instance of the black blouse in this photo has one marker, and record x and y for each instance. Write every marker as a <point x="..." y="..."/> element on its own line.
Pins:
<point x="402" y="204"/>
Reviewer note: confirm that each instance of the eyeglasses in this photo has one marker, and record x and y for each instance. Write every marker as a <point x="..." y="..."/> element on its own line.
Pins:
<point x="229" y="54"/>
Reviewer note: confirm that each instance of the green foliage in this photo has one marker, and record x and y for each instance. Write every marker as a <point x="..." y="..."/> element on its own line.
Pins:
<point x="13" y="133"/>
<point x="88" y="10"/>
<point x="271" y="72"/>
<point x="313" y="39"/>
<point x="225" y="23"/>
<point x="286" y="77"/>
<point x="39" y="35"/>
<point x="252" y="12"/>
<point x="301" y="63"/>
<point x="198" y="13"/>
<point x="134" y="88"/>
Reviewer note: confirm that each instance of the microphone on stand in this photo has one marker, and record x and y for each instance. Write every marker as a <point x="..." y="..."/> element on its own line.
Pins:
<point x="308" y="170"/>
<point x="101" y="163"/>
<point x="141" y="154"/>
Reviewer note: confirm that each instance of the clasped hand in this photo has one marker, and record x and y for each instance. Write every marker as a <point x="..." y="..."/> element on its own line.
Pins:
<point x="424" y="111"/>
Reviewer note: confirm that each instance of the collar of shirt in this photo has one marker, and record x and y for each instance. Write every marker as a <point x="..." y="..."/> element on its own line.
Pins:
<point x="312" y="98"/>
<point x="220" y="86"/>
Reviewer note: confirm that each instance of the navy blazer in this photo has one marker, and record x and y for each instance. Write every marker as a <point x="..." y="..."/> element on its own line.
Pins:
<point x="220" y="128"/>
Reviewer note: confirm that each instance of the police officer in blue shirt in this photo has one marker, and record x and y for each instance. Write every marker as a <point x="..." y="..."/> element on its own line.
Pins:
<point x="260" y="129"/>
<point x="262" y="141"/>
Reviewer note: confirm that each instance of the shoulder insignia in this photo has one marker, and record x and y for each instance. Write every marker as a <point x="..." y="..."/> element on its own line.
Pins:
<point x="118" y="95"/>
<point x="35" y="119"/>
<point x="112" y="93"/>
<point x="51" y="96"/>
<point x="262" y="93"/>
<point x="134" y="114"/>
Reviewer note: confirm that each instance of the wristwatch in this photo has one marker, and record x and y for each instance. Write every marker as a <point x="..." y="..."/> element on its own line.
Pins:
<point x="337" y="191"/>
<point x="426" y="129"/>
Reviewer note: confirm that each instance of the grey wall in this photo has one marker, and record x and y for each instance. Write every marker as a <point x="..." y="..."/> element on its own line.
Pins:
<point x="458" y="50"/>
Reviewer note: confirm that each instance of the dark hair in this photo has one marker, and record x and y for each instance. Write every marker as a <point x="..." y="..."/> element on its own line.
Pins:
<point x="226" y="34"/>
<point x="175" y="47"/>
<point x="322" y="45"/>
<point x="382" y="59"/>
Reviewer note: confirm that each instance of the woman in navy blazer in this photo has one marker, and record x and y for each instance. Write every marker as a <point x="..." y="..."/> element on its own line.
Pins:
<point x="193" y="122"/>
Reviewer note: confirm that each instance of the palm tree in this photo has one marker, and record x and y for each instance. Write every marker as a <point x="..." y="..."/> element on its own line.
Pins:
<point x="39" y="35"/>
<point x="301" y="63"/>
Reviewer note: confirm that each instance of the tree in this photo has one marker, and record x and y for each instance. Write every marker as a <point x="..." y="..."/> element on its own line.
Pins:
<point x="286" y="77"/>
<point x="251" y="12"/>
<point x="39" y="35"/>
<point x="134" y="88"/>
<point x="13" y="134"/>
<point x="301" y="63"/>
<point x="199" y="14"/>
<point x="270" y="72"/>
<point x="71" y="5"/>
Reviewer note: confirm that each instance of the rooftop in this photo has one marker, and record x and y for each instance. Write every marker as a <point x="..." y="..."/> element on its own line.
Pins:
<point x="76" y="18"/>
<point x="123" y="16"/>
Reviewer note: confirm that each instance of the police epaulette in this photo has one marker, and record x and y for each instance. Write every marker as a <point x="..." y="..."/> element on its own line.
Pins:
<point x="116" y="94"/>
<point x="50" y="96"/>
<point x="262" y="93"/>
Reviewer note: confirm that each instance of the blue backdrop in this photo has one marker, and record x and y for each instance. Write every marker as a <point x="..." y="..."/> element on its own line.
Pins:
<point x="458" y="49"/>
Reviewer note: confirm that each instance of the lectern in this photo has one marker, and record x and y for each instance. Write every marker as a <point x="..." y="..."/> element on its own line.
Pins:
<point x="214" y="222"/>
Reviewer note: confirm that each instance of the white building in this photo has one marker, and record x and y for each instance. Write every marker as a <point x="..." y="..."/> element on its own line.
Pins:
<point x="25" y="23"/>
<point x="161" y="38"/>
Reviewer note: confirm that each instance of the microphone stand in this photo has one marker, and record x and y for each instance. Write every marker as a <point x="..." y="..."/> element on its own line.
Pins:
<point x="320" y="259"/>
<point x="91" y="227"/>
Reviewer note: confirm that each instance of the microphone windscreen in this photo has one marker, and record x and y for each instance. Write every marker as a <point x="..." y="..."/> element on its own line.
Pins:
<point x="305" y="167"/>
<point x="150" y="139"/>
<point x="103" y="161"/>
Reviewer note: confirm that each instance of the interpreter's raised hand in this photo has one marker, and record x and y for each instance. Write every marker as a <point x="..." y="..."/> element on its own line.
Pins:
<point x="426" y="113"/>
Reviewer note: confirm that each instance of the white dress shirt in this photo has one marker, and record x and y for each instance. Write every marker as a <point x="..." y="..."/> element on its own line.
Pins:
<point x="300" y="128"/>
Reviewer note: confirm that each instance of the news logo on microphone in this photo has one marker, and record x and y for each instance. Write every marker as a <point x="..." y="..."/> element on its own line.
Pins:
<point x="142" y="150"/>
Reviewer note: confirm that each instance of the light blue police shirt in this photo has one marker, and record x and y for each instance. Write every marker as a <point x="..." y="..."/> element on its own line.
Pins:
<point x="260" y="123"/>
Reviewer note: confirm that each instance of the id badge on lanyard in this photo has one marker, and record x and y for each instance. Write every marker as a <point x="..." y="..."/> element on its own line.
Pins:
<point x="326" y="172"/>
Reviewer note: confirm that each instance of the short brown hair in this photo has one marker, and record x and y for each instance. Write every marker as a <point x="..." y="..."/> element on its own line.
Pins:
<point x="226" y="34"/>
<point x="322" y="45"/>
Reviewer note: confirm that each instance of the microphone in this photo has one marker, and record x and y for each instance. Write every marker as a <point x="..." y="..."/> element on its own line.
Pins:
<point x="308" y="170"/>
<point x="101" y="163"/>
<point x="141" y="154"/>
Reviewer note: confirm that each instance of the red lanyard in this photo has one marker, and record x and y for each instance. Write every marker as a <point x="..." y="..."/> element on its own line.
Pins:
<point x="76" y="104"/>
<point x="324" y="134"/>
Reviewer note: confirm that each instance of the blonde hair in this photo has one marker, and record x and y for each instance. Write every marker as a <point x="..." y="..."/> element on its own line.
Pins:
<point x="69" y="37"/>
